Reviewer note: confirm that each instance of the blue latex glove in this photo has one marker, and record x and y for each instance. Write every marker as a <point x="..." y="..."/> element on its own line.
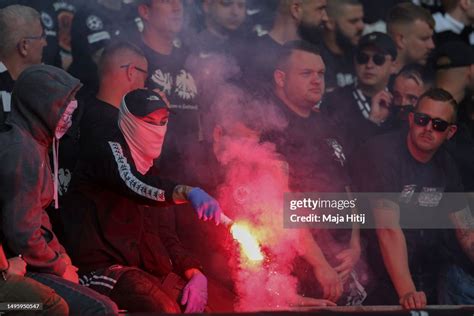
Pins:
<point x="205" y="205"/>
<point x="195" y="294"/>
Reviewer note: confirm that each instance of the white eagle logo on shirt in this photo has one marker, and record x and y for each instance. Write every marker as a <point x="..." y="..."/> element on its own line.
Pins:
<point x="64" y="177"/>
<point x="163" y="80"/>
<point x="185" y="86"/>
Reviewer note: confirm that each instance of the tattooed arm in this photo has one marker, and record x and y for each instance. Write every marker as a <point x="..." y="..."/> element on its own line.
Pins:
<point x="464" y="224"/>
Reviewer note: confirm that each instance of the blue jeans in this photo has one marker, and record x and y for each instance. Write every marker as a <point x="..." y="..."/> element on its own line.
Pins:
<point x="456" y="286"/>
<point x="81" y="300"/>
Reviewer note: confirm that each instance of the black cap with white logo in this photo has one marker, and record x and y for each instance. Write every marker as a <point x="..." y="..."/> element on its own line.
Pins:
<point x="142" y="102"/>
<point x="380" y="41"/>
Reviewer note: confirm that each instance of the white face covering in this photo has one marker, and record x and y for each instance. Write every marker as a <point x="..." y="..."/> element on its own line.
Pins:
<point x="65" y="121"/>
<point x="144" y="139"/>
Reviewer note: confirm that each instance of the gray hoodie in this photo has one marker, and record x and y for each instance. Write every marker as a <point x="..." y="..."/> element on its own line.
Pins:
<point x="39" y="99"/>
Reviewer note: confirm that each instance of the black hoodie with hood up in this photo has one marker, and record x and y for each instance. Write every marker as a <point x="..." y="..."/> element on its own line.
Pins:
<point x="39" y="98"/>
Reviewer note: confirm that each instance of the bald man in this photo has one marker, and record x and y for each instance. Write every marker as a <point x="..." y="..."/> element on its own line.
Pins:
<point x="122" y="68"/>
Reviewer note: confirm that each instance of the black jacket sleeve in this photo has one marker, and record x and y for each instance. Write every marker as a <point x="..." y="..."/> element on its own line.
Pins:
<point x="111" y="166"/>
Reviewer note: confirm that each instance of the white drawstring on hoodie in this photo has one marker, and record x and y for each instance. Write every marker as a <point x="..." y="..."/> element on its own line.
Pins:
<point x="64" y="124"/>
<point x="145" y="140"/>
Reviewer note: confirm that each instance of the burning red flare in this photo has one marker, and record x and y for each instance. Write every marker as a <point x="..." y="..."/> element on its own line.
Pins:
<point x="248" y="243"/>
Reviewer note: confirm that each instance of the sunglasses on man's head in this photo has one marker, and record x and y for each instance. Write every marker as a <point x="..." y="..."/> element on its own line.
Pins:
<point x="363" y="58"/>
<point x="439" y="125"/>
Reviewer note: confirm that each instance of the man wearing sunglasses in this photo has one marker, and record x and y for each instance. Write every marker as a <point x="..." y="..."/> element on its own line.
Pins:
<point x="21" y="45"/>
<point x="405" y="252"/>
<point x="361" y="108"/>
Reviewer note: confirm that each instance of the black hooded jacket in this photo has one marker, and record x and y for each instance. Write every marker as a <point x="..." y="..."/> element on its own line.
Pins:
<point x="39" y="98"/>
<point x="107" y="212"/>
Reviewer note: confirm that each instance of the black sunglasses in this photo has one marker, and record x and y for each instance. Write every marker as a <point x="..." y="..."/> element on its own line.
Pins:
<point x="137" y="68"/>
<point x="363" y="58"/>
<point x="439" y="125"/>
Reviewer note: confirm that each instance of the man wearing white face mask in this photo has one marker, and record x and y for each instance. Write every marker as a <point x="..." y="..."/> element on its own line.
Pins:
<point x="105" y="215"/>
<point x="43" y="103"/>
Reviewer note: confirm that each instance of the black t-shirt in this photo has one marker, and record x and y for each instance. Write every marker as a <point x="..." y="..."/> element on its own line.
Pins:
<point x="169" y="74"/>
<point x="377" y="10"/>
<point x="461" y="147"/>
<point x="260" y="16"/>
<point x="317" y="163"/>
<point x="349" y="109"/>
<point x="384" y="164"/>
<point x="206" y="43"/>
<point x="340" y="70"/>
<point x="314" y="151"/>
<point x="6" y="88"/>
<point x="258" y="61"/>
<point x="99" y="121"/>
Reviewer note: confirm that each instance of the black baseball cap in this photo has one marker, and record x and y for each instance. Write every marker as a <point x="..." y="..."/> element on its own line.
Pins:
<point x="380" y="41"/>
<point x="454" y="54"/>
<point x="142" y="102"/>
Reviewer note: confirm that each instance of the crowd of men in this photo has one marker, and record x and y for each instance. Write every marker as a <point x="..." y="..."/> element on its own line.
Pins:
<point x="362" y="96"/>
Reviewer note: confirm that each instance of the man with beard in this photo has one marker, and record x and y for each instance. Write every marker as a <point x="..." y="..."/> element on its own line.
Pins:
<point x="294" y="20"/>
<point x="341" y="34"/>
<point x="411" y="28"/>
